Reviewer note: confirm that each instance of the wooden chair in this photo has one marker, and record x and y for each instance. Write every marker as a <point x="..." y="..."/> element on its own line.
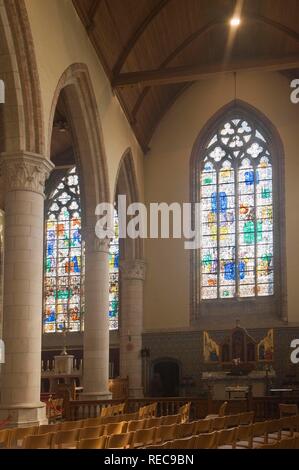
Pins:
<point x="170" y="419"/>
<point x="273" y="431"/>
<point x="89" y="433"/>
<point x="92" y="422"/>
<point x="287" y="443"/>
<point x="259" y="434"/>
<point x="115" y="428"/>
<point x="186" y="443"/>
<point x="130" y="416"/>
<point x="218" y="423"/>
<point x="206" y="441"/>
<point x="148" y="411"/>
<point x="135" y="425"/>
<point x="105" y="411"/>
<point x="18" y="435"/>
<point x="244" y="437"/>
<point x="226" y="438"/>
<point x="48" y="428"/>
<point x="40" y="441"/>
<point x="143" y="438"/>
<point x="95" y="443"/>
<point x="152" y="423"/>
<point x="203" y="426"/>
<point x="165" y="433"/>
<point x="184" y="430"/>
<point x="221" y="411"/>
<point x="5" y="438"/>
<point x="70" y="425"/>
<point x="288" y="426"/>
<point x="120" y="441"/>
<point x="246" y="418"/>
<point x="287" y="410"/>
<point x="66" y="439"/>
<point x="232" y="421"/>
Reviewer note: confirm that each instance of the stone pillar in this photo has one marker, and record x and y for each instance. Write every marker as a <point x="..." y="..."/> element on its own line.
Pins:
<point x="96" y="321"/>
<point x="24" y="176"/>
<point x="131" y="324"/>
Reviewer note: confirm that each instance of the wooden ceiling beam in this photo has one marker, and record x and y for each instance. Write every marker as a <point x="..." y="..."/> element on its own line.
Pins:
<point x="91" y="14"/>
<point x="136" y="35"/>
<point x="188" y="74"/>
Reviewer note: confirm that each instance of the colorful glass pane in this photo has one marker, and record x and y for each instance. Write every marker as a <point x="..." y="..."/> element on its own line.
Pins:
<point x="114" y="277"/>
<point x="236" y="197"/>
<point x="64" y="261"/>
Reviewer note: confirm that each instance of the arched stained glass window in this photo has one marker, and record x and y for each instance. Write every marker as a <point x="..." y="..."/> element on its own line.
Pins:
<point x="235" y="190"/>
<point x="64" y="261"/>
<point x="63" y="281"/>
<point x="114" y="276"/>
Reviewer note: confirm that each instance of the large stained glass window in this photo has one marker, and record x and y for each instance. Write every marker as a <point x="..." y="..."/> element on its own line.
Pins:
<point x="235" y="185"/>
<point x="64" y="261"/>
<point x="114" y="276"/>
<point x="63" y="280"/>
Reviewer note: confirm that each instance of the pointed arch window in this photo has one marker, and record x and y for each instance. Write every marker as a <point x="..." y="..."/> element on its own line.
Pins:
<point x="235" y="188"/>
<point x="64" y="261"/>
<point x="114" y="276"/>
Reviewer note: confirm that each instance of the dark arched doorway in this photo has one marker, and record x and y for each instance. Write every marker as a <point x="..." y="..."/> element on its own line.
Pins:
<point x="166" y="378"/>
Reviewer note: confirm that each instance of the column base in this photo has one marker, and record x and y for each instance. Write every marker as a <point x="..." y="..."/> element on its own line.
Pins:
<point x="94" y="396"/>
<point x="136" y="392"/>
<point x="24" y="415"/>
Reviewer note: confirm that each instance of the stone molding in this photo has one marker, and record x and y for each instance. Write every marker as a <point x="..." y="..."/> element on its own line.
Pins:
<point x="25" y="172"/>
<point x="133" y="269"/>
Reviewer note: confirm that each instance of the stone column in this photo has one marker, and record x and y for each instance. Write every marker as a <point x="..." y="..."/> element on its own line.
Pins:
<point x="24" y="177"/>
<point x="131" y="324"/>
<point x="96" y="321"/>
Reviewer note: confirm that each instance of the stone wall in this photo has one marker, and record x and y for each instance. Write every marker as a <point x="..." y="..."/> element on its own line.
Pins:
<point x="187" y="349"/>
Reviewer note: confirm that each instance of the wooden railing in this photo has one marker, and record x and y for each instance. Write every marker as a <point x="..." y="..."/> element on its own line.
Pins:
<point x="264" y="407"/>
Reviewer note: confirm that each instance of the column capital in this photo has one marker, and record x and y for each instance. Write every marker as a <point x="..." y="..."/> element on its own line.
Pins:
<point x="133" y="269"/>
<point x="25" y="171"/>
<point x="94" y="244"/>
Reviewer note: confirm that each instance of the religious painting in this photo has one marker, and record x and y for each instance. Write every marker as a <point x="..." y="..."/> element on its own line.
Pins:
<point x="266" y="347"/>
<point x="211" y="349"/>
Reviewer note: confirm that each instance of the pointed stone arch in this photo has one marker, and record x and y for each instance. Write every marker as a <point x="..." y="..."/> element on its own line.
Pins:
<point x="21" y="118"/>
<point x="87" y="137"/>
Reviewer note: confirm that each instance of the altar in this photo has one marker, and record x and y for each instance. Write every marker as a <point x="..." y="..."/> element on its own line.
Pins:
<point x="221" y="384"/>
<point x="237" y="364"/>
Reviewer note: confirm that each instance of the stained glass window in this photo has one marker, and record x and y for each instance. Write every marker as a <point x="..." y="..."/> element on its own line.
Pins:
<point x="114" y="277"/>
<point x="64" y="261"/>
<point x="63" y="280"/>
<point x="235" y="190"/>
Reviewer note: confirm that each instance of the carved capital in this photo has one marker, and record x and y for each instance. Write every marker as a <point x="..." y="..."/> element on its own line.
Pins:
<point x="93" y="244"/>
<point x="133" y="269"/>
<point x="25" y="172"/>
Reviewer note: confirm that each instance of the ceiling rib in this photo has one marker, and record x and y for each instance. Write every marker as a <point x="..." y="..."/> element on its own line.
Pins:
<point x="136" y="35"/>
<point x="187" y="74"/>
<point x="200" y="32"/>
<point x="91" y="14"/>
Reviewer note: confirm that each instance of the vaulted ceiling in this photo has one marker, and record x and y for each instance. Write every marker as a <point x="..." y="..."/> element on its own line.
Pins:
<point x="152" y="50"/>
